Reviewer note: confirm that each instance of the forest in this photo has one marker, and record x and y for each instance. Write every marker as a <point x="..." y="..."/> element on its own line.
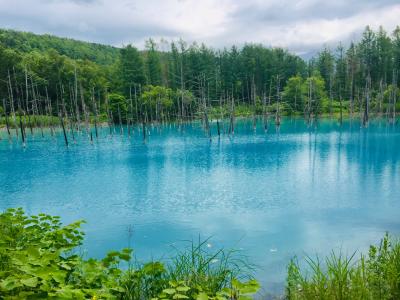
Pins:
<point x="78" y="82"/>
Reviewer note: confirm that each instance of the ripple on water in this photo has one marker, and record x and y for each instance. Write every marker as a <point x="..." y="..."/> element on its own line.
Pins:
<point x="272" y="194"/>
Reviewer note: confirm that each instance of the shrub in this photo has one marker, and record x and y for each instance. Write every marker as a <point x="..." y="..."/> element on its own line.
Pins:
<point x="38" y="260"/>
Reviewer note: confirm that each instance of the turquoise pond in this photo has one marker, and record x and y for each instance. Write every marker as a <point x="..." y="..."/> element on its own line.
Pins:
<point x="272" y="195"/>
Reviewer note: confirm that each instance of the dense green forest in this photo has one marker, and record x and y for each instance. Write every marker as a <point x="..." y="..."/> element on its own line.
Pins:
<point x="46" y="75"/>
<point x="27" y="42"/>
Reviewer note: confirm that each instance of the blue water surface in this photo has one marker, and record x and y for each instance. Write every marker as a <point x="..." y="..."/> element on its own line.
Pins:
<point x="272" y="195"/>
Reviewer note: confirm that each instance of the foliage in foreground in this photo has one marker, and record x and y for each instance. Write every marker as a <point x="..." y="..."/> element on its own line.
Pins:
<point x="38" y="260"/>
<point x="374" y="276"/>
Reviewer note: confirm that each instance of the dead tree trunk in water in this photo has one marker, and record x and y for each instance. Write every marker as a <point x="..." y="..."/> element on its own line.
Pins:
<point x="109" y="116"/>
<point x="330" y="95"/>
<point x="62" y="113"/>
<point x="22" y="130"/>
<point x="21" y="112"/>
<point x="78" y="118"/>
<point x="309" y="104"/>
<point x="84" y="110"/>
<point x="11" y="96"/>
<point x="27" y="101"/>
<point x="269" y="105"/>
<point x="95" y="114"/>
<point x="394" y="92"/>
<point x="6" y="119"/>
<point x="136" y="106"/>
<point x="121" y="130"/>
<point x="50" y="111"/>
<point x="65" y="113"/>
<point x="367" y="100"/>
<point x="63" y="128"/>
<point x="295" y="98"/>
<point x="182" y="88"/>
<point x="221" y="113"/>
<point x="144" y="127"/>
<point x="232" y="117"/>
<point x="341" y="104"/>
<point x="278" y="104"/>
<point x="341" y="109"/>
<point x="35" y="107"/>
<point x="351" y="94"/>
<point x="254" y="98"/>
<point x="206" y="121"/>
<point x="264" y="112"/>
<point x="130" y="119"/>
<point x="72" y="115"/>
<point x="380" y="98"/>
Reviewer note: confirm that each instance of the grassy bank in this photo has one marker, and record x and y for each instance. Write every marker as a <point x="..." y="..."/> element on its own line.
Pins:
<point x="43" y="121"/>
<point x="214" y="113"/>
<point x="39" y="260"/>
<point x="375" y="275"/>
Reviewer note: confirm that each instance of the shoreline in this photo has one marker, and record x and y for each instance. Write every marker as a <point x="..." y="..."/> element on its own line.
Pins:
<point x="271" y="118"/>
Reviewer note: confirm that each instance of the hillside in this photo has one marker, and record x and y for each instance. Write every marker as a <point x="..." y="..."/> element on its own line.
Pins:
<point x="27" y="42"/>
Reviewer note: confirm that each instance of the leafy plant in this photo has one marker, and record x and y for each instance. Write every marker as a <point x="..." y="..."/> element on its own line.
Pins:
<point x="237" y="291"/>
<point x="38" y="260"/>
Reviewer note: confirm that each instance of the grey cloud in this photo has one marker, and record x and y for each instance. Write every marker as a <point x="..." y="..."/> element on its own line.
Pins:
<point x="109" y="30"/>
<point x="287" y="11"/>
<point x="270" y="22"/>
<point x="72" y="1"/>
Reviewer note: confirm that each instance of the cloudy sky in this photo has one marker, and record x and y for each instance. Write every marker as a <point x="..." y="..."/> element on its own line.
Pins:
<point x="301" y="26"/>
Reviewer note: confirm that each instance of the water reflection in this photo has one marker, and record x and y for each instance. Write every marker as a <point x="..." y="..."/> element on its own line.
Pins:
<point x="273" y="194"/>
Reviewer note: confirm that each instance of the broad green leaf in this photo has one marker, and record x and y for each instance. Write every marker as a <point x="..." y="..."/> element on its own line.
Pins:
<point x="180" y="296"/>
<point x="182" y="288"/>
<point x="202" y="296"/>
<point x="9" y="284"/>
<point x="30" y="282"/>
<point x="169" y="291"/>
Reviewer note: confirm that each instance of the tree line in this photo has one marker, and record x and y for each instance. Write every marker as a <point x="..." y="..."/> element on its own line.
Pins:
<point x="79" y="82"/>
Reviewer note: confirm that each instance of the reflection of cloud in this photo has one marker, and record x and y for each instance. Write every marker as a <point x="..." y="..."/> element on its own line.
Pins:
<point x="297" y="191"/>
<point x="300" y="26"/>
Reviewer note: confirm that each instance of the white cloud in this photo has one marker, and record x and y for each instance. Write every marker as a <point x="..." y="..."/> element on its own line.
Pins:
<point x="298" y="25"/>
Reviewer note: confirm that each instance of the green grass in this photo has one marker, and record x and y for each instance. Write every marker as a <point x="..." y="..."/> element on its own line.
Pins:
<point x="339" y="277"/>
<point x="212" y="271"/>
<point x="43" y="121"/>
<point x="217" y="112"/>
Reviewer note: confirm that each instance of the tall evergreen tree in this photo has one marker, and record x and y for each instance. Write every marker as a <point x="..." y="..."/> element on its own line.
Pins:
<point x="396" y="49"/>
<point x="384" y="55"/>
<point x="153" y="63"/>
<point x="326" y="67"/>
<point x="131" y="68"/>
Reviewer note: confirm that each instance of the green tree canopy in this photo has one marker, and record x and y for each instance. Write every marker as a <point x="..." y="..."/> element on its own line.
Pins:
<point x="131" y="69"/>
<point x="293" y="94"/>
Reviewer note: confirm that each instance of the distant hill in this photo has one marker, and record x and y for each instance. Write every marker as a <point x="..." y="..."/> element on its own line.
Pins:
<point x="27" y="42"/>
